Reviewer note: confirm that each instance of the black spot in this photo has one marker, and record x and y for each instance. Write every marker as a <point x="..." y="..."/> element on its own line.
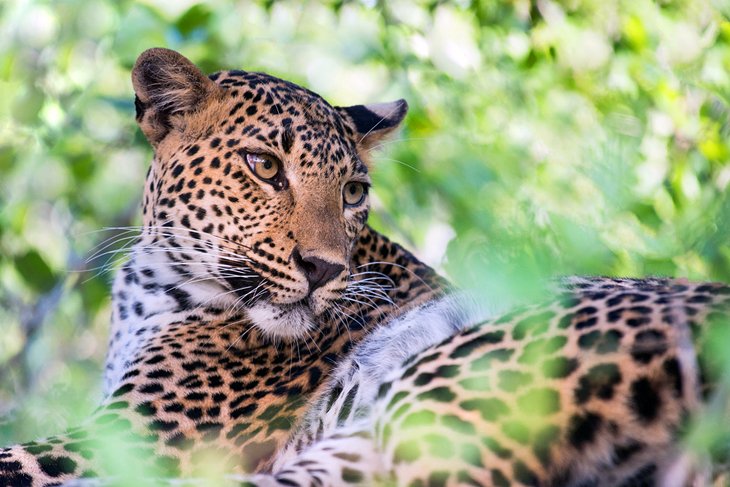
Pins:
<point x="583" y="429"/>
<point x="517" y="431"/>
<point x="350" y="475"/>
<point x="447" y="371"/>
<point x="599" y="381"/>
<point x="407" y="451"/>
<point x="123" y="390"/>
<point x="350" y="457"/>
<point x="12" y="466"/>
<point x="485" y="362"/>
<point x="383" y="390"/>
<point x="497" y="448"/>
<point x="180" y="441"/>
<point x="466" y="349"/>
<point x="344" y="412"/>
<point x="457" y="424"/>
<point x="56" y="466"/>
<point x="159" y="374"/>
<point x="672" y="369"/>
<point x="155" y="359"/>
<point x="587" y="340"/>
<point x="439" y="394"/>
<point x="315" y="374"/>
<point x="524" y="475"/>
<point x="541" y="444"/>
<point x="625" y="452"/>
<point x="151" y="388"/>
<point x="539" y="348"/>
<point x="644" y="477"/>
<point x="210" y="430"/>
<point x="194" y="413"/>
<point x="499" y="479"/>
<point x="471" y="455"/>
<point x="437" y="479"/>
<point x="287" y="139"/>
<point x="609" y="342"/>
<point x="35" y="449"/>
<point x="647" y="345"/>
<point x="534" y="325"/>
<point x="559" y="367"/>
<point x="645" y="401"/>
<point x="698" y="298"/>
<point x="586" y="323"/>
<point x="243" y="411"/>
<point x="489" y="408"/>
<point x="615" y="314"/>
<point x="160" y="425"/>
<point x="17" y="480"/>
<point x="423" y="379"/>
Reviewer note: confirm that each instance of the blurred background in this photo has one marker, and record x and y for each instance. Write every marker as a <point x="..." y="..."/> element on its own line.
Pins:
<point x="544" y="138"/>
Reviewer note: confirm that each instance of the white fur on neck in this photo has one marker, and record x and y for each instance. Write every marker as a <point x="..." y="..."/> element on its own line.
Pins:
<point x="379" y="358"/>
<point x="130" y="331"/>
<point x="276" y="322"/>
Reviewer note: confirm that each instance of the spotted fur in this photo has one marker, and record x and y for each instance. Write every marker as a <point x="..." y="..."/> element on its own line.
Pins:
<point x="241" y="292"/>
<point x="593" y="387"/>
<point x="226" y="331"/>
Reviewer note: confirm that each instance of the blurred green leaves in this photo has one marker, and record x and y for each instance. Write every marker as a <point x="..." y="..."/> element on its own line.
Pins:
<point x="543" y="138"/>
<point x="35" y="271"/>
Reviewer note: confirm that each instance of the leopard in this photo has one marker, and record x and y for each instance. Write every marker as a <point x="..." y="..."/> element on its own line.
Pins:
<point x="599" y="384"/>
<point x="253" y="274"/>
<point x="414" y="384"/>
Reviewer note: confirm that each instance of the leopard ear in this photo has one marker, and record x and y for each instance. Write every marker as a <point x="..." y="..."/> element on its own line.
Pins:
<point x="371" y="123"/>
<point x="166" y="83"/>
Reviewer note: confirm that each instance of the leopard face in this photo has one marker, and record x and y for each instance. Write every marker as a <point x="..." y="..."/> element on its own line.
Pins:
<point x="258" y="187"/>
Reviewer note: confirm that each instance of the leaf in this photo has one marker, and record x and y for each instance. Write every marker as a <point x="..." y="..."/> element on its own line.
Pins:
<point x="196" y="17"/>
<point x="35" y="271"/>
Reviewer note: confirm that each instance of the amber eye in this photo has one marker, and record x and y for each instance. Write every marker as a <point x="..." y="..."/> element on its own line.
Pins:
<point x="264" y="166"/>
<point x="354" y="193"/>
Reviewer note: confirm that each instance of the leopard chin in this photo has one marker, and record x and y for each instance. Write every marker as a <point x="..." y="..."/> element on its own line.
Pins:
<point x="289" y="322"/>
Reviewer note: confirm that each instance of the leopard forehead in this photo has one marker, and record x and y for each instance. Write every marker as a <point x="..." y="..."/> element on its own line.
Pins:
<point x="202" y="167"/>
<point x="259" y="113"/>
<point x="262" y="113"/>
<point x="280" y="114"/>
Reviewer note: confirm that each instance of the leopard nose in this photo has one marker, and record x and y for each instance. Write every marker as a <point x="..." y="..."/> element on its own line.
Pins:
<point x="317" y="271"/>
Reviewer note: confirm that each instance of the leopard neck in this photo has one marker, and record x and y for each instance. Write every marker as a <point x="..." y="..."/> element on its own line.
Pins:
<point x="151" y="291"/>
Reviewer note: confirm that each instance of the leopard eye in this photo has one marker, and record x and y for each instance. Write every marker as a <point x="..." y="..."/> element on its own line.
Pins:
<point x="264" y="166"/>
<point x="354" y="193"/>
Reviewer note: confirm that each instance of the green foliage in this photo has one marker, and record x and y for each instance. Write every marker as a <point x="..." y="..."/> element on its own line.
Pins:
<point x="549" y="137"/>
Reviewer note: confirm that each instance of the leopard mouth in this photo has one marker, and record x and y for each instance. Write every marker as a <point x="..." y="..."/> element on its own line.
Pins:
<point x="289" y="322"/>
<point x="249" y="288"/>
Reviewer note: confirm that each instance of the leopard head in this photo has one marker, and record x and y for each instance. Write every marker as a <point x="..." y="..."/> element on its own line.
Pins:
<point x="258" y="187"/>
